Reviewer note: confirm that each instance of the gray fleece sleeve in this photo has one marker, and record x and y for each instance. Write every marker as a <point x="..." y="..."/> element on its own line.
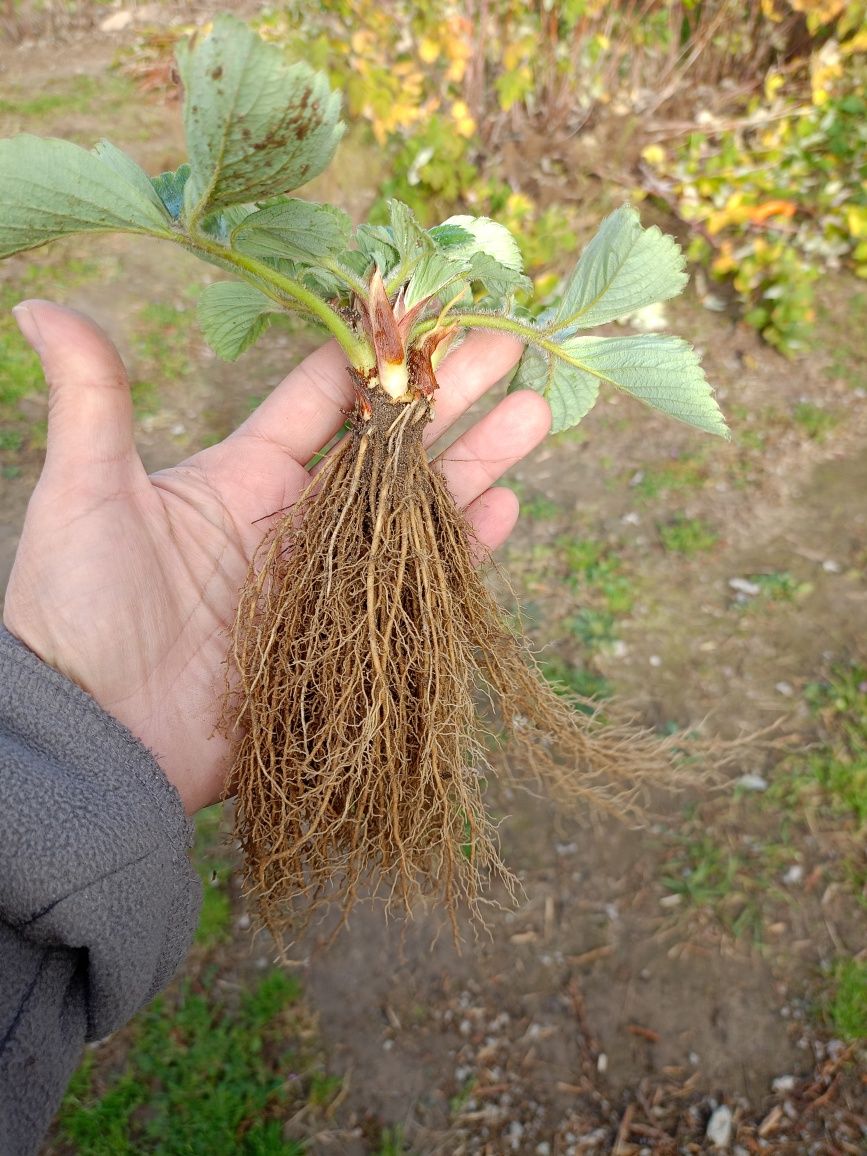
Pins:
<point x="98" y="901"/>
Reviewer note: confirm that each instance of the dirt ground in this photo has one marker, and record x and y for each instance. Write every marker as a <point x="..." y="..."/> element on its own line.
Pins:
<point x="605" y="1012"/>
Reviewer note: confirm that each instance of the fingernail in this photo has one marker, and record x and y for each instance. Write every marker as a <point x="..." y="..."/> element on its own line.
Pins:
<point x="28" y="325"/>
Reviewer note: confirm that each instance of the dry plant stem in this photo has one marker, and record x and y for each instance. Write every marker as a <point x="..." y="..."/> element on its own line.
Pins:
<point x="364" y="636"/>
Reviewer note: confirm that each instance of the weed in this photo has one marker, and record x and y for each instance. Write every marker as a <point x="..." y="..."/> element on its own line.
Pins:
<point x="162" y="348"/>
<point x="215" y="868"/>
<point x="684" y="474"/>
<point x="815" y="421"/>
<point x="568" y="678"/>
<point x="688" y="536"/>
<point x="201" y="1076"/>
<point x="834" y="773"/>
<point x="392" y="1142"/>
<point x="845" y="1006"/>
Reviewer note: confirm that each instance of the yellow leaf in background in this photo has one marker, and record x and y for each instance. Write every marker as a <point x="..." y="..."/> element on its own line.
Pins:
<point x="519" y="206"/>
<point x="774" y="81"/>
<point x="545" y="283"/>
<point x="654" y="154"/>
<point x="361" y="41"/>
<point x="513" y="55"/>
<point x="856" y="43"/>
<point x="725" y="262"/>
<point x="769" y="10"/>
<point x="428" y="50"/>
<point x="856" y="221"/>
<point x="456" y="70"/>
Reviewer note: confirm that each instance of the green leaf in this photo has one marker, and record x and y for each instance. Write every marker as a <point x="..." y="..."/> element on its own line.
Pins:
<point x="498" y="279"/>
<point x="169" y="187"/>
<point x="132" y="173"/>
<point x="52" y="188"/>
<point x="296" y="229"/>
<point x="409" y="237"/>
<point x="375" y="242"/>
<point x="256" y="126"/>
<point x="432" y="274"/>
<point x="623" y="268"/>
<point x="570" y="395"/>
<point x="489" y="237"/>
<point x="232" y="316"/>
<point x="664" y="372"/>
<point x="445" y="236"/>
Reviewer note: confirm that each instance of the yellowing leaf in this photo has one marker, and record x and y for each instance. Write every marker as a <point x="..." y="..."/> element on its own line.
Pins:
<point x="428" y="50"/>
<point x="856" y="221"/>
<point x="654" y="154"/>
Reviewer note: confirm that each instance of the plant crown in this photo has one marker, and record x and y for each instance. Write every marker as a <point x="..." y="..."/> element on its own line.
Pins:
<point x="258" y="128"/>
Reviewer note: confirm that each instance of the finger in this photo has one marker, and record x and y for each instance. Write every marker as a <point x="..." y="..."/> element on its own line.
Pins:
<point x="89" y="404"/>
<point x="468" y="373"/>
<point x="494" y="444"/>
<point x="306" y="409"/>
<point x="492" y="516"/>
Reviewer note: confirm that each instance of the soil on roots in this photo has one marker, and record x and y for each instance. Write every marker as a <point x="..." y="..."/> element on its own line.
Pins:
<point x="373" y="672"/>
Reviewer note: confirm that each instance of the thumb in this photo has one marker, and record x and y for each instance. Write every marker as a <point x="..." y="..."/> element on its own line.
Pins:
<point x="89" y="402"/>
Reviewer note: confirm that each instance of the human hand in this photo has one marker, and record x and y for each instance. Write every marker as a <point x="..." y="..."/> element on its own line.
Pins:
<point x="126" y="583"/>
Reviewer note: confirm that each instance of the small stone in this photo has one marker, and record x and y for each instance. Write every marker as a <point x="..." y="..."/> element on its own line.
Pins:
<point x="543" y="1149"/>
<point x="633" y="518"/>
<point x="619" y="649"/>
<point x="243" y="921"/>
<point x="831" y="567"/>
<point x="784" y="1083"/>
<point x="670" y="900"/>
<point x="655" y="660"/>
<point x="387" y="1045"/>
<point x="719" y="1127"/>
<point x="784" y="688"/>
<point x="744" y="586"/>
<point x="752" y="782"/>
<point x="117" y="21"/>
<point x="602" y="1063"/>
<point x="794" y="875"/>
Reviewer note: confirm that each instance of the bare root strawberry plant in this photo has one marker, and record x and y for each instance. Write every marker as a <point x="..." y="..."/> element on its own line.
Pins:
<point x="369" y="666"/>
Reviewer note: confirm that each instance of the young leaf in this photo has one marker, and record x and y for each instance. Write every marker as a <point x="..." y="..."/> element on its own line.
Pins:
<point x="664" y="372"/>
<point x="486" y="236"/>
<point x="445" y="236"/>
<point x="232" y="316"/>
<point x="432" y="274"/>
<point x="52" y="188"/>
<point x="377" y="245"/>
<point x="500" y="280"/>
<point x="256" y="127"/>
<point x="409" y="238"/>
<point x="296" y="229"/>
<point x="623" y="268"/>
<point x="169" y="187"/>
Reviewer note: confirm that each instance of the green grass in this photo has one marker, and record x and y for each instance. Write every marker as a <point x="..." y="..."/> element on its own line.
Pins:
<point x="684" y="474"/>
<point x="845" y="1006"/>
<point x="594" y="568"/>
<point x="833" y="775"/>
<point x="814" y="421"/>
<point x="75" y="94"/>
<point x="568" y="678"/>
<point x="203" y="1075"/>
<point x="775" y="586"/>
<point x="162" y="349"/>
<point x="214" y="865"/>
<point x="687" y="536"/>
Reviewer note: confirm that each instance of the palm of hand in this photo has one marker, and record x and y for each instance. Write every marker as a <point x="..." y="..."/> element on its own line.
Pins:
<point x="126" y="584"/>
